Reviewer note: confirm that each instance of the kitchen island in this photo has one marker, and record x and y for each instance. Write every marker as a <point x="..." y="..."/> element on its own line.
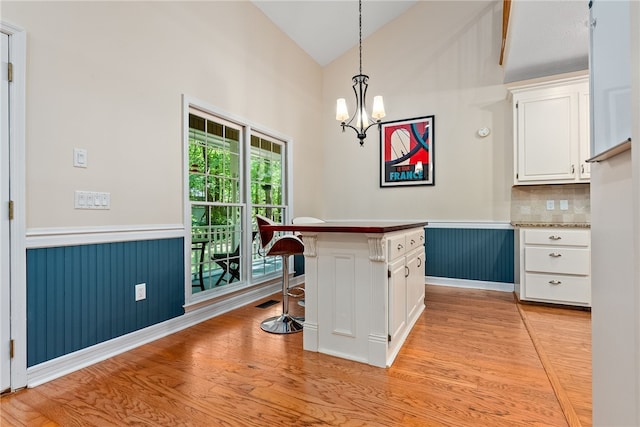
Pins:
<point x="364" y="287"/>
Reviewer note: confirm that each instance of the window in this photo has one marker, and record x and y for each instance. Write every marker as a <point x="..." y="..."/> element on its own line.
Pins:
<point x="234" y="173"/>
<point x="267" y="177"/>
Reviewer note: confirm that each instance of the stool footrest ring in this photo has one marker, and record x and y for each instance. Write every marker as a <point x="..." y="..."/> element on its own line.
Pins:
<point x="299" y="292"/>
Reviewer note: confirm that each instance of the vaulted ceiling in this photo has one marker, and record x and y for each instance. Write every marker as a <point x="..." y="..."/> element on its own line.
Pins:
<point x="545" y="36"/>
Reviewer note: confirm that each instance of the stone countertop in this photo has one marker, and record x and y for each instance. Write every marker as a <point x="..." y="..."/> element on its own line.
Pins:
<point x="551" y="225"/>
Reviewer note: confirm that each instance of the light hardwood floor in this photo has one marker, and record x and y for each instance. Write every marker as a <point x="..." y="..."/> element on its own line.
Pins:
<point x="563" y="341"/>
<point x="469" y="361"/>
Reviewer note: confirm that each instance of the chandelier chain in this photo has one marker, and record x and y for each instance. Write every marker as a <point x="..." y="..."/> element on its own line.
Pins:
<point x="360" y="35"/>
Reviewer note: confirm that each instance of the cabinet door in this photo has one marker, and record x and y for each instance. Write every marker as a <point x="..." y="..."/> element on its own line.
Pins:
<point x="546" y="136"/>
<point x="584" y="171"/>
<point x="397" y="298"/>
<point x="415" y="282"/>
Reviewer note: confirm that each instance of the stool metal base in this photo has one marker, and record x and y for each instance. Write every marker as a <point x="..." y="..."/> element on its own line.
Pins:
<point x="283" y="324"/>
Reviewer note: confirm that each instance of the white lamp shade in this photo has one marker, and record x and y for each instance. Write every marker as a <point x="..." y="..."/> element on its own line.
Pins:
<point x="378" y="108"/>
<point x="342" y="114"/>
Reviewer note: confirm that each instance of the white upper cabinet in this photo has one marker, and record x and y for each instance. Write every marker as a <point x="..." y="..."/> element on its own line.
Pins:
<point x="551" y="132"/>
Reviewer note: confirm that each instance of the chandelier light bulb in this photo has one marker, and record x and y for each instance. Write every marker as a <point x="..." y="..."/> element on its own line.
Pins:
<point x="363" y="119"/>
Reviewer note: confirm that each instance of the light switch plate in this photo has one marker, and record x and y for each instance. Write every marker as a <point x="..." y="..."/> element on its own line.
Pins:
<point x="92" y="200"/>
<point x="80" y="157"/>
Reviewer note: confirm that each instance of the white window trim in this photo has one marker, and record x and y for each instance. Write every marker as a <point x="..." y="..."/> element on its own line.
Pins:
<point x="199" y="299"/>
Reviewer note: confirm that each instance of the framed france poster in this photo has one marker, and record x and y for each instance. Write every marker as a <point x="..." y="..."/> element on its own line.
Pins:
<point x="406" y="152"/>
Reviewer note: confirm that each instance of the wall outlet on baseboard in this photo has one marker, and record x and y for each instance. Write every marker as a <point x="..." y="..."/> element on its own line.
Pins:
<point x="141" y="291"/>
<point x="551" y="205"/>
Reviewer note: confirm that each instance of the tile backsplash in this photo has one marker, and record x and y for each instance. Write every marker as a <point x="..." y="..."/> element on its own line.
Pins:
<point x="529" y="204"/>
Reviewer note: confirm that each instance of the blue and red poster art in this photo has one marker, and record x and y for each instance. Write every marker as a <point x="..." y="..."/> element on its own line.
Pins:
<point x="407" y="152"/>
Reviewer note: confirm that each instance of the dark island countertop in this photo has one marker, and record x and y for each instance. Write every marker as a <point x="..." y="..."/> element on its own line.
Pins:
<point x="375" y="227"/>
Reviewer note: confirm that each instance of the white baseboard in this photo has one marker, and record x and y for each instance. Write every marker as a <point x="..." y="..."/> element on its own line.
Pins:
<point x="471" y="284"/>
<point x="63" y="365"/>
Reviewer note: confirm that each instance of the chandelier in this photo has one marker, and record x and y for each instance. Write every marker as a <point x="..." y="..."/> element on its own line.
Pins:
<point x="360" y="84"/>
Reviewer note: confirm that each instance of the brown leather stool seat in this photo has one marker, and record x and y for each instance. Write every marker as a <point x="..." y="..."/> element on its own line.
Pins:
<point x="284" y="246"/>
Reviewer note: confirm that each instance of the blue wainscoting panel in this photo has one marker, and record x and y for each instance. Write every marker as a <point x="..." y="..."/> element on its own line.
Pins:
<point x="298" y="265"/>
<point x="79" y="296"/>
<point x="471" y="254"/>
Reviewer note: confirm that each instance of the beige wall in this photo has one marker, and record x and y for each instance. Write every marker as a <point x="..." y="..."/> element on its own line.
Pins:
<point x="109" y="76"/>
<point x="439" y="58"/>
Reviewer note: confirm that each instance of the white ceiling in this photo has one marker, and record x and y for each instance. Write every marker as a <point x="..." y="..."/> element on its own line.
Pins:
<point x="326" y="29"/>
<point x="545" y="36"/>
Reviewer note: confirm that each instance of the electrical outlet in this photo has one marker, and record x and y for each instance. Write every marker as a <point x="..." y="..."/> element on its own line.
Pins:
<point x="551" y="205"/>
<point x="141" y="291"/>
<point x="564" y="205"/>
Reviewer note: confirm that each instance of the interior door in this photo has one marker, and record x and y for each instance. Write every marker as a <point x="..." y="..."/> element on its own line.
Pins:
<point x="5" y="286"/>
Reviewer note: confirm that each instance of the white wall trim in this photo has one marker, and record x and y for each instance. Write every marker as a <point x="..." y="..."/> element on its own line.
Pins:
<point x="68" y="236"/>
<point x="471" y="284"/>
<point x="474" y="225"/>
<point x="68" y="363"/>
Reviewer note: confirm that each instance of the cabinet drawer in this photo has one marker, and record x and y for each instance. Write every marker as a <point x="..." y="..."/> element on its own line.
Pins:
<point x="559" y="288"/>
<point x="397" y="246"/>
<point x="415" y="240"/>
<point x="556" y="237"/>
<point x="557" y="260"/>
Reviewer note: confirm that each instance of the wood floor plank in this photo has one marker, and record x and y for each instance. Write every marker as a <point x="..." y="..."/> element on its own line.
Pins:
<point x="469" y="361"/>
<point x="564" y="338"/>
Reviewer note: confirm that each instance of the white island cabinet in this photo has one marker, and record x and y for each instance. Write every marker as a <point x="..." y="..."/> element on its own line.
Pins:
<point x="364" y="287"/>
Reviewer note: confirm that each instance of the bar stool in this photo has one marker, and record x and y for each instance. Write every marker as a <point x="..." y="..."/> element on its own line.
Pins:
<point x="284" y="246"/>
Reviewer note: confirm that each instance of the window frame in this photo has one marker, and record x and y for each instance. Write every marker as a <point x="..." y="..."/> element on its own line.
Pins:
<point x="249" y="128"/>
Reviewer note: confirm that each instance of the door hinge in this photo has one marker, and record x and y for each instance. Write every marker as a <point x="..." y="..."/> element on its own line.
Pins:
<point x="388" y="274"/>
<point x="389" y="338"/>
<point x="10" y="72"/>
<point x="10" y="209"/>
<point x="517" y="104"/>
<point x="11" y="349"/>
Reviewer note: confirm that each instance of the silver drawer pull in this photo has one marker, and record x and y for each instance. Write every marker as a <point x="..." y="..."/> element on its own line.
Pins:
<point x="554" y="282"/>
<point x="400" y="246"/>
<point x="555" y="255"/>
<point x="554" y="237"/>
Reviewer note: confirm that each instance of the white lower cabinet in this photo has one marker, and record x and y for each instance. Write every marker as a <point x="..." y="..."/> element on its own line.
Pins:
<point x="364" y="289"/>
<point x="554" y="265"/>
<point x="406" y="283"/>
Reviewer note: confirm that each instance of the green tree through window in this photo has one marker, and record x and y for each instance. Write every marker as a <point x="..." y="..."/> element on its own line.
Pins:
<point x="216" y="188"/>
